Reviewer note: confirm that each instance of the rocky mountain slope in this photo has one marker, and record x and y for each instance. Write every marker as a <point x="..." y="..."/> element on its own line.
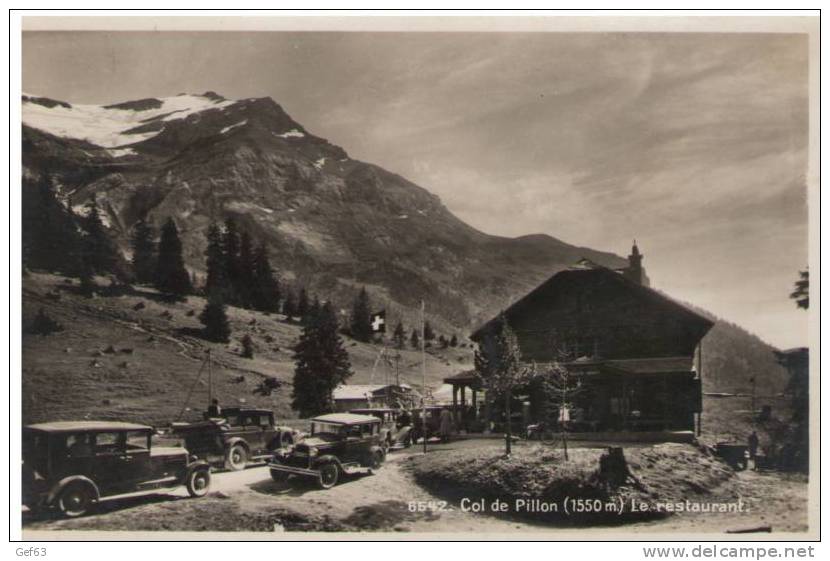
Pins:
<point x="333" y="223"/>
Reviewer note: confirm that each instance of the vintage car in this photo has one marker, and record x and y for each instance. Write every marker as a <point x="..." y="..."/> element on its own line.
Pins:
<point x="339" y="443"/>
<point x="70" y="465"/>
<point x="395" y="425"/>
<point x="433" y="422"/>
<point x="236" y="437"/>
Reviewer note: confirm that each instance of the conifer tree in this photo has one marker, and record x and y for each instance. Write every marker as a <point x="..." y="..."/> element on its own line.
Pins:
<point x="429" y="334"/>
<point x="144" y="252"/>
<point x="442" y="342"/>
<point x="245" y="284"/>
<point x="230" y="253"/>
<point x="414" y="340"/>
<point x="302" y="305"/>
<point x="361" y="320"/>
<point x="321" y="364"/>
<point x="399" y="336"/>
<point x="49" y="230"/>
<point x="98" y="249"/>
<point x="266" y="289"/>
<point x="215" y="319"/>
<point x="215" y="262"/>
<point x="454" y="340"/>
<point x="171" y="276"/>
<point x="289" y="306"/>
<point x="247" y="346"/>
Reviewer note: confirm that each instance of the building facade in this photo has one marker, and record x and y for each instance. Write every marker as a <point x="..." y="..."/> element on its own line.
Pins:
<point x="633" y="350"/>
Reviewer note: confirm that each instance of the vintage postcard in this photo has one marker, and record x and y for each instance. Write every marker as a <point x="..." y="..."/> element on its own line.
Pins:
<point x="351" y="277"/>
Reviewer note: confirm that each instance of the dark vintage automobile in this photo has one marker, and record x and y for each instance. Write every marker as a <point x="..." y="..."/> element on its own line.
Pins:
<point x="339" y="443"/>
<point x="433" y="422"/>
<point x="236" y="437"/>
<point x="395" y="425"/>
<point x="736" y="455"/>
<point x="70" y="465"/>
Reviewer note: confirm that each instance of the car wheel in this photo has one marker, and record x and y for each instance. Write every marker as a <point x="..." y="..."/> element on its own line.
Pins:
<point x="376" y="461"/>
<point x="237" y="457"/>
<point x="329" y="474"/>
<point x="198" y="482"/>
<point x="75" y="500"/>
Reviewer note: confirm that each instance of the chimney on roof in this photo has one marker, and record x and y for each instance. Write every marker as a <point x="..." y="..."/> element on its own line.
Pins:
<point x="634" y="271"/>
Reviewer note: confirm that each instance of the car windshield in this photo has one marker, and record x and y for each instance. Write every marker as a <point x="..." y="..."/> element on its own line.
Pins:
<point x="318" y="428"/>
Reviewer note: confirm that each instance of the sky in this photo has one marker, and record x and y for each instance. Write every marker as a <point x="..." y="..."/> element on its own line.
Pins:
<point x="695" y="144"/>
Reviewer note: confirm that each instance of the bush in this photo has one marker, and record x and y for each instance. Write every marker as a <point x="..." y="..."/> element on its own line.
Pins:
<point x="247" y="346"/>
<point x="43" y="324"/>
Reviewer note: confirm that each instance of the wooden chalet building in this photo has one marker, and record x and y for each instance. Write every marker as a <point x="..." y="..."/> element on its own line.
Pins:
<point x="634" y="349"/>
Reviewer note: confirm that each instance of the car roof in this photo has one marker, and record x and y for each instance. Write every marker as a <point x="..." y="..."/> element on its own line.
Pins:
<point x="370" y="410"/>
<point x="92" y="426"/>
<point x="235" y="409"/>
<point x="346" y="418"/>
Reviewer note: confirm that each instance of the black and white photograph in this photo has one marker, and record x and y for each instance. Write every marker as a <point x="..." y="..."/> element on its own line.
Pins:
<point x="452" y="277"/>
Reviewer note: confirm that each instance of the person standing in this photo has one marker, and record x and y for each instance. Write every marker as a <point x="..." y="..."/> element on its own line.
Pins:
<point x="445" y="428"/>
<point x="753" y="448"/>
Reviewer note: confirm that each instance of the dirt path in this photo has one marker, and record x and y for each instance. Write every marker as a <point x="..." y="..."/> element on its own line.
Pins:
<point x="391" y="501"/>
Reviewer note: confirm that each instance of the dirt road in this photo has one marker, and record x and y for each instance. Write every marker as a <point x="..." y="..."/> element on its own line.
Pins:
<point x="387" y="501"/>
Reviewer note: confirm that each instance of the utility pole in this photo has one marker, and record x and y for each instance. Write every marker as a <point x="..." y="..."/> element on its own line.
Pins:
<point x="423" y="379"/>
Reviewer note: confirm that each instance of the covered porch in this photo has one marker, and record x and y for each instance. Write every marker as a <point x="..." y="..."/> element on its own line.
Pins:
<point x="468" y="414"/>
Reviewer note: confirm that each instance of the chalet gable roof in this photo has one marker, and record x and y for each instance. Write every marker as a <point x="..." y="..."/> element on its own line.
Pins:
<point x="589" y="272"/>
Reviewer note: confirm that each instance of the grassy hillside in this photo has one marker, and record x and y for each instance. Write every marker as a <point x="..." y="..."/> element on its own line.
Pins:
<point x="113" y="361"/>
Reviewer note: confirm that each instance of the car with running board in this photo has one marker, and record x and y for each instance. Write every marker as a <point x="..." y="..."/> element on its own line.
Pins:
<point x="338" y="444"/>
<point x="71" y="465"/>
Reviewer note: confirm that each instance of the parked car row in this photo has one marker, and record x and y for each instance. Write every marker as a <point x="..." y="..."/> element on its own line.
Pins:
<point x="69" y="466"/>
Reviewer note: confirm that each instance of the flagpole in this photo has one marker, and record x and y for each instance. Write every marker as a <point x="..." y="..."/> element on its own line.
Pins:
<point x="424" y="380"/>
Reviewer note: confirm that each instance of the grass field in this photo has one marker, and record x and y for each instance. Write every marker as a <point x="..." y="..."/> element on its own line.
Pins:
<point x="136" y="357"/>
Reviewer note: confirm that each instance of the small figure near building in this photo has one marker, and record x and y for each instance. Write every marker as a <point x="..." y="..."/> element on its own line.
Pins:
<point x="445" y="428"/>
<point x="752" y="442"/>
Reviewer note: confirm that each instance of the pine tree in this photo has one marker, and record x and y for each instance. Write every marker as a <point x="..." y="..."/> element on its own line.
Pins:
<point x="215" y="319"/>
<point x="442" y="342"/>
<point x="414" y="340"/>
<point x="230" y="253"/>
<point x="97" y="247"/>
<point x="49" y="230"/>
<point x="266" y="289"/>
<point x="302" y="305"/>
<point x="313" y="310"/>
<point x="321" y="364"/>
<point x="144" y="252"/>
<point x="215" y="262"/>
<point x="361" y="320"/>
<point x="247" y="346"/>
<point x="245" y="285"/>
<point x="399" y="336"/>
<point x="289" y="305"/>
<point x="171" y="276"/>
<point x="429" y="334"/>
<point x="454" y="340"/>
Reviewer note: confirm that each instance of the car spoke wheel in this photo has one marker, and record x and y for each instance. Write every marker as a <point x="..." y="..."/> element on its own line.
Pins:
<point x="75" y="501"/>
<point x="329" y="474"/>
<point x="198" y="482"/>
<point x="237" y="457"/>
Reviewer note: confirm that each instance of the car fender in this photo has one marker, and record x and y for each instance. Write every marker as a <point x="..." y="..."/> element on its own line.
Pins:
<point x="231" y="442"/>
<point x="377" y="448"/>
<point x="63" y="483"/>
<point x="327" y="459"/>
<point x="403" y="432"/>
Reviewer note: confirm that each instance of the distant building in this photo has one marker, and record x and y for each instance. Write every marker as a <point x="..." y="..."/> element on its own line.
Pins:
<point x="633" y="347"/>
<point x="361" y="396"/>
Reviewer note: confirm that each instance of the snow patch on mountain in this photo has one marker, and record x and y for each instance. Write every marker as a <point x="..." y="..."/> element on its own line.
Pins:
<point x="107" y="126"/>
<point x="320" y="163"/>
<point x="120" y="152"/>
<point x="231" y="127"/>
<point x="293" y="133"/>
